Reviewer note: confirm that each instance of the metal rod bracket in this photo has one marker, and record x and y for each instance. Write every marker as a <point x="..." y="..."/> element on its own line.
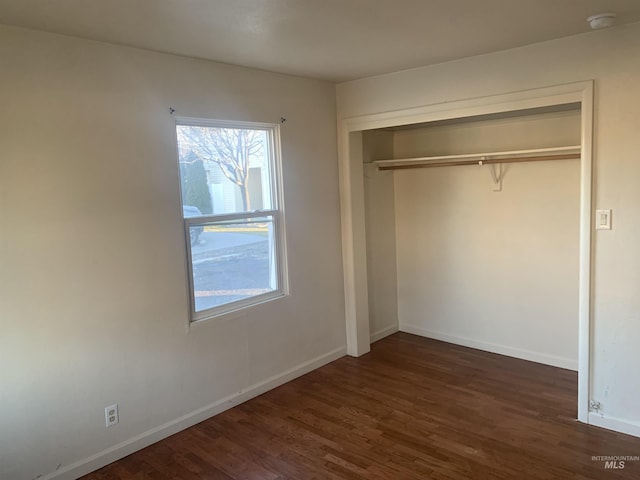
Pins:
<point x="495" y="169"/>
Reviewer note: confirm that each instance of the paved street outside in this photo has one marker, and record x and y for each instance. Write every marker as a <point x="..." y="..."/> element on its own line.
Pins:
<point x="229" y="266"/>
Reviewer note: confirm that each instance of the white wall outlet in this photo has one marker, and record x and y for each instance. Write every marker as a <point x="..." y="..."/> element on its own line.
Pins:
<point x="603" y="219"/>
<point x="111" y="415"/>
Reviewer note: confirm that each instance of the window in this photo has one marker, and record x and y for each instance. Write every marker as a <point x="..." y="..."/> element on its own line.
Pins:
<point x="231" y="205"/>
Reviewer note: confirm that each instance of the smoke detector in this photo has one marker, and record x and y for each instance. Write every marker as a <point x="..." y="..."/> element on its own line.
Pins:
<point x="601" y="20"/>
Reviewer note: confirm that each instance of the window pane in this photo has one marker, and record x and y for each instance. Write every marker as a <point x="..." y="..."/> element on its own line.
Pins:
<point x="224" y="170"/>
<point x="232" y="261"/>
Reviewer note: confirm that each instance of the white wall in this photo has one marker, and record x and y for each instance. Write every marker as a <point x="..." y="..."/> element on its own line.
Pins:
<point x="489" y="134"/>
<point x="610" y="58"/>
<point x="380" y="224"/>
<point x="491" y="270"/>
<point x="93" y="292"/>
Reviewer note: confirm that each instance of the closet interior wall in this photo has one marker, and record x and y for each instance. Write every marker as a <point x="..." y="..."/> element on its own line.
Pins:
<point x="451" y="259"/>
<point x="380" y="234"/>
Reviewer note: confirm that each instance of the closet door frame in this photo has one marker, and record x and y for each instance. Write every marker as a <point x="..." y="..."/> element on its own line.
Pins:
<point x="352" y="203"/>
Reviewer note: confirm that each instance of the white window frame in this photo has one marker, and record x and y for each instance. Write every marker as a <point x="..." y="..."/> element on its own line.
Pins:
<point x="276" y="212"/>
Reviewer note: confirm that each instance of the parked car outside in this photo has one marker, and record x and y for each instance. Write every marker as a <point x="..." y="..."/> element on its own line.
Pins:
<point x="190" y="211"/>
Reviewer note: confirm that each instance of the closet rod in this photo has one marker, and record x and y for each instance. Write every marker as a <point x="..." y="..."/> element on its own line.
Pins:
<point x="488" y="161"/>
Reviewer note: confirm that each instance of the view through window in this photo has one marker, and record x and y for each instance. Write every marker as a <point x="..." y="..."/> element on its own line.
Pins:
<point x="230" y="205"/>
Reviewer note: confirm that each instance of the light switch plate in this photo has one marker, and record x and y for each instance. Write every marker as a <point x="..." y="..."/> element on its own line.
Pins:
<point x="603" y="219"/>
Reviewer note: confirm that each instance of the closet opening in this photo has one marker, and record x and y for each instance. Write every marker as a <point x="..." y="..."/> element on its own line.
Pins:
<point x="470" y="224"/>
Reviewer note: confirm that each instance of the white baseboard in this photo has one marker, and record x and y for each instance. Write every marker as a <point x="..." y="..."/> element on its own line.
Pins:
<point x="384" y="332"/>
<point x="121" y="450"/>
<point x="615" y="424"/>
<point x="490" y="347"/>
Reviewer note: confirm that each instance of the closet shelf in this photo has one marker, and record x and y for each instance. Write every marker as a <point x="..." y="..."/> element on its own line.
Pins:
<point x="514" y="156"/>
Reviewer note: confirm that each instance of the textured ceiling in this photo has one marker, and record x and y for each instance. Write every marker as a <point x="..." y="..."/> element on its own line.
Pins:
<point x="330" y="39"/>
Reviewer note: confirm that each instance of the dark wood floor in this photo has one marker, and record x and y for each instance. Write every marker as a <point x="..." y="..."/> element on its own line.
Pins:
<point x="411" y="409"/>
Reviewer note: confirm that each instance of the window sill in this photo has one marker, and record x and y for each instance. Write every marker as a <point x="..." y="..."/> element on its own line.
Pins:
<point x="239" y="311"/>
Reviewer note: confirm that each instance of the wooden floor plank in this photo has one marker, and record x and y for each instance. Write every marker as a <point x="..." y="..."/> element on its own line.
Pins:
<point x="413" y="408"/>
